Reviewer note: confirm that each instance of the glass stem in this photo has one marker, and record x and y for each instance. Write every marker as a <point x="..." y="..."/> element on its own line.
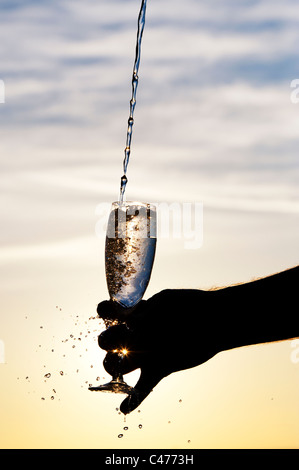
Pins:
<point x="117" y="377"/>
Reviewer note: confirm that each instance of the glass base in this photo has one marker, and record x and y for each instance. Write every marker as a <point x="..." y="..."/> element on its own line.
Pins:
<point x="115" y="386"/>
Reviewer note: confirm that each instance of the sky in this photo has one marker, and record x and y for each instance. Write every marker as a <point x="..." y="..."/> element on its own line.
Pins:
<point x="214" y="124"/>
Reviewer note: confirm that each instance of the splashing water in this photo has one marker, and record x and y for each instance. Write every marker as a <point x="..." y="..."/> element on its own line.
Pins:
<point x="141" y="23"/>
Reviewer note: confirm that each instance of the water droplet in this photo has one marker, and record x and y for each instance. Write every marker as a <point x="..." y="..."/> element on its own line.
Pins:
<point x="48" y="375"/>
<point x="140" y="426"/>
<point x="61" y="372"/>
<point x="120" y="435"/>
<point x="126" y="428"/>
<point x="52" y="398"/>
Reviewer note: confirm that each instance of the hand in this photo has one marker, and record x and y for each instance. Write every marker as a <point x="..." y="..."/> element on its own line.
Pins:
<point x="162" y="335"/>
<point x="179" y="329"/>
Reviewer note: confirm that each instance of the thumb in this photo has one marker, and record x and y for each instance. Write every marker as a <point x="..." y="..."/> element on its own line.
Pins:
<point x="147" y="381"/>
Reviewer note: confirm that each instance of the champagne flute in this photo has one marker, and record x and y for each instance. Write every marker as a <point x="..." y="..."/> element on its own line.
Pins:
<point x="129" y="256"/>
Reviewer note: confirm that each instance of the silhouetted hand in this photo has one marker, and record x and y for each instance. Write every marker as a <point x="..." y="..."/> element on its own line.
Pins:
<point x="162" y="335"/>
<point x="180" y="329"/>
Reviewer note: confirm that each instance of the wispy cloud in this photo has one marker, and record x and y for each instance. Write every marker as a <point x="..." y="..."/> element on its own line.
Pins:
<point x="213" y="102"/>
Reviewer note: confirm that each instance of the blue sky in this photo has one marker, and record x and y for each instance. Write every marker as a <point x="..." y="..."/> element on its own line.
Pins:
<point x="213" y="122"/>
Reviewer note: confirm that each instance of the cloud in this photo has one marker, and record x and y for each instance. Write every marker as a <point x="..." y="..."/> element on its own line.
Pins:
<point x="213" y="106"/>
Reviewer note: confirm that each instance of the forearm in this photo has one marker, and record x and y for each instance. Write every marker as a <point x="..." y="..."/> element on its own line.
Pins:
<point x="261" y="311"/>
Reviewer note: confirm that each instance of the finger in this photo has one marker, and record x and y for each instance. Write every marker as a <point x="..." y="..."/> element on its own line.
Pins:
<point x="111" y="311"/>
<point x="115" y="337"/>
<point x="147" y="381"/>
<point x="107" y="310"/>
<point x="118" y="362"/>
